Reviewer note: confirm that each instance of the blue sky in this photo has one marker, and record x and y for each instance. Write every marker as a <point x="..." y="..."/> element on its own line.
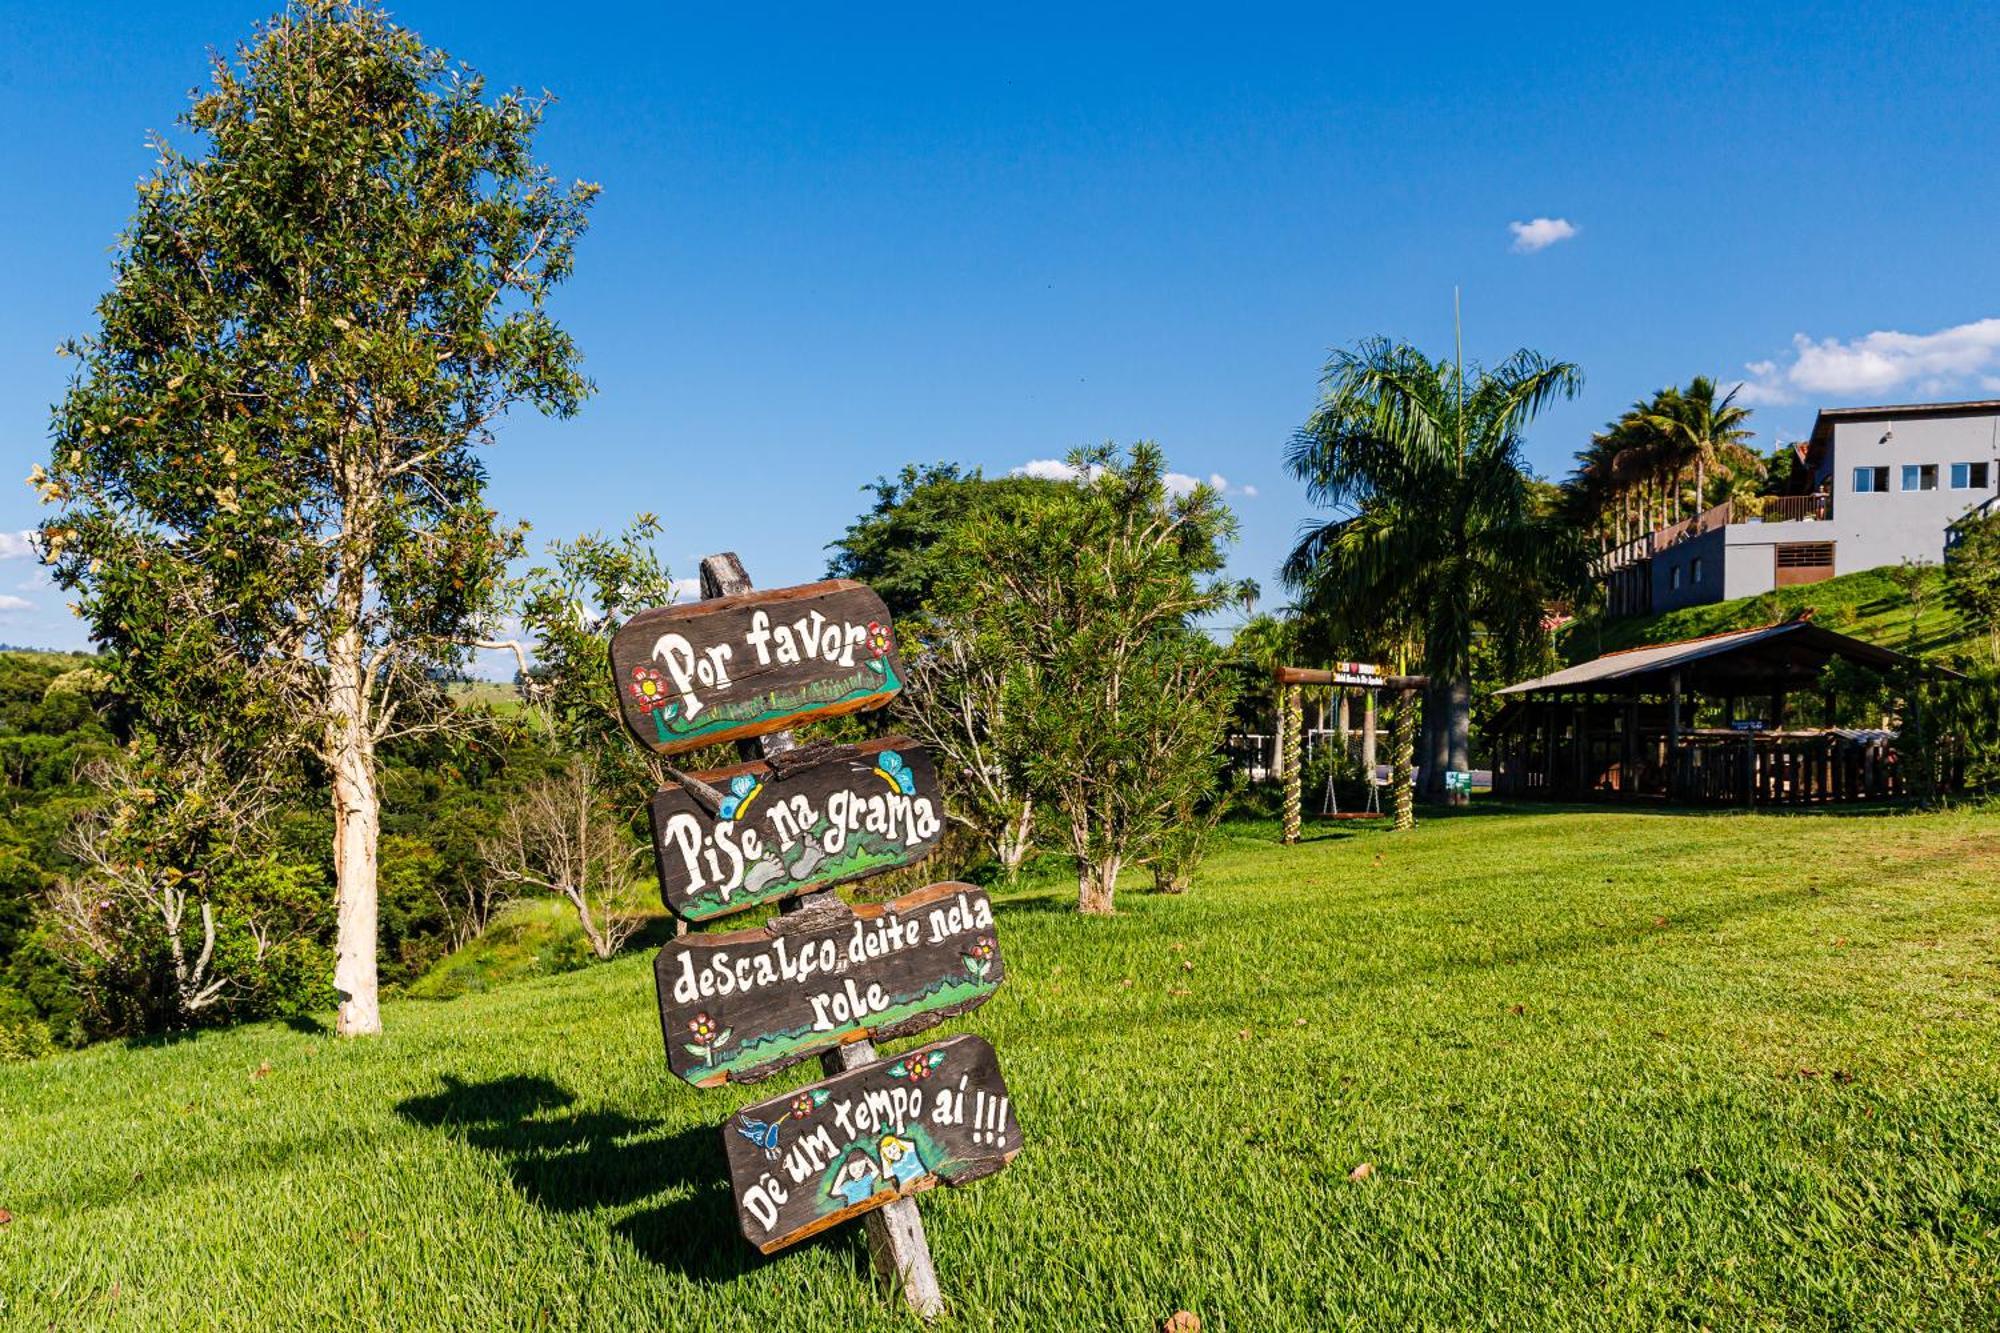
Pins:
<point x="835" y="239"/>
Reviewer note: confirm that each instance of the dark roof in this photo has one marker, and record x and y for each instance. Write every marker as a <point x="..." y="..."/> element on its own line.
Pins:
<point x="1822" y="431"/>
<point x="1745" y="661"/>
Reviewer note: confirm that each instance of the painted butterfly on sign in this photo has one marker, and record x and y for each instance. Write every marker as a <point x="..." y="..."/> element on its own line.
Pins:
<point x="889" y="766"/>
<point x="743" y="789"/>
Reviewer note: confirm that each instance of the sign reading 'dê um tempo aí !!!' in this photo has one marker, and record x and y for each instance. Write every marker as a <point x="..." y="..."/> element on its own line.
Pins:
<point x="860" y="811"/>
<point x="754" y="663"/>
<point x="738" y="1005"/>
<point x="805" y="1160"/>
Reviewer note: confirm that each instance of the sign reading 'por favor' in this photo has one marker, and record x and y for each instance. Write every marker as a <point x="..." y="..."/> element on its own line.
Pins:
<point x="739" y="1005"/>
<point x="803" y="1161"/>
<point x="858" y="812"/>
<point x="754" y="663"/>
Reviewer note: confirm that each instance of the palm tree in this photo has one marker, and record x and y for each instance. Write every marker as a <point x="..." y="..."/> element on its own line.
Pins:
<point x="1698" y="428"/>
<point x="1433" y="525"/>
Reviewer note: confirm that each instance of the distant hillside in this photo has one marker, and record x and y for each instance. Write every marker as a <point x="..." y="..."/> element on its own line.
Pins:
<point x="1867" y="605"/>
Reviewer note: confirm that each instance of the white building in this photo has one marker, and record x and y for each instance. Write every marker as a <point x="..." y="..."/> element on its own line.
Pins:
<point x="1887" y="484"/>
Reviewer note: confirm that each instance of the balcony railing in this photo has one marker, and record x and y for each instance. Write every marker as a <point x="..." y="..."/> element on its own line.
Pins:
<point x="1791" y="508"/>
<point x="1757" y="509"/>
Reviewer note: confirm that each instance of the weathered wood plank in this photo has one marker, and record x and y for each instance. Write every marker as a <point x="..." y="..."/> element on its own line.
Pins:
<point x="809" y="1159"/>
<point x="756" y="662"/>
<point x="858" y="811"/>
<point x="737" y="1006"/>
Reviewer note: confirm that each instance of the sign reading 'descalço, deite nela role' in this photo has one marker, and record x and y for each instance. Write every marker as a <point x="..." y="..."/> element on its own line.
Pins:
<point x="739" y="1005"/>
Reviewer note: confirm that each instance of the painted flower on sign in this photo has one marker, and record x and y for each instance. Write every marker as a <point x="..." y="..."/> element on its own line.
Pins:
<point x="916" y="1070"/>
<point x="709" y="1037"/>
<point x="649" y="687"/>
<point x="807" y="1102"/>
<point x="878" y="638"/>
<point x="979" y="958"/>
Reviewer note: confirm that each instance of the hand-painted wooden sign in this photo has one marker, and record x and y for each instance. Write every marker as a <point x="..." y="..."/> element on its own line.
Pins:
<point x="739" y="1005"/>
<point x="803" y="1161"/>
<point x="863" y="810"/>
<point x="754" y="663"/>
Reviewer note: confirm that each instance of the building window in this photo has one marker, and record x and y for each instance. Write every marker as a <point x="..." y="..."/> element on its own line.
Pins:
<point x="1674" y="577"/>
<point x="1694" y="570"/>
<point x="1871" y="479"/>
<point x="1970" y="476"/>
<point x="1920" y="476"/>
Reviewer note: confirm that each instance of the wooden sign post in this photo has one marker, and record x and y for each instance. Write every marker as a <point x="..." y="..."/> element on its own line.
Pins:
<point x="822" y="978"/>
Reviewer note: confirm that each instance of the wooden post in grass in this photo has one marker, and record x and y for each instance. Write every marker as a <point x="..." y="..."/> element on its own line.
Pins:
<point x="898" y="1250"/>
<point x="1288" y="738"/>
<point x="1402" y="754"/>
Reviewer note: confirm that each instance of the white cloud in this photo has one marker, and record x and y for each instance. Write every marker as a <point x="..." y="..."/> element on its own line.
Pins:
<point x="1049" y="469"/>
<point x="1965" y="357"/>
<point x="686" y="590"/>
<point x="16" y="546"/>
<point x="9" y="602"/>
<point x="1177" y="483"/>
<point x="1540" y="234"/>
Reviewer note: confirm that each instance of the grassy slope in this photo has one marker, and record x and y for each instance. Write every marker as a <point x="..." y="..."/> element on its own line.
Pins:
<point x="1613" y="1069"/>
<point x="1866" y="605"/>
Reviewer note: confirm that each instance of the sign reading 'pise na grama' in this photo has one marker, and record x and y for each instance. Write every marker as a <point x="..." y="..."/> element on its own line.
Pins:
<point x="857" y="812"/>
<point x="755" y="663"/>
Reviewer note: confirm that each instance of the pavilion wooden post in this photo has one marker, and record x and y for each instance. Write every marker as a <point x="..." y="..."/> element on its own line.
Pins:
<point x="1288" y="739"/>
<point x="1674" y="778"/>
<point x="898" y="1250"/>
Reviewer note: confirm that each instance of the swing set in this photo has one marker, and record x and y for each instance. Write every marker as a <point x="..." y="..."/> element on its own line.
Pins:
<point x="1370" y="681"/>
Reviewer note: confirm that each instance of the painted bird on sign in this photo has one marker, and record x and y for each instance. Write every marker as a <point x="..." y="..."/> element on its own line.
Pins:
<point x="764" y="1135"/>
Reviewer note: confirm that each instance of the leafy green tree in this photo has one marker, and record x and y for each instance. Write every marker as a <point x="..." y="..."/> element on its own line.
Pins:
<point x="1696" y="428"/>
<point x="1972" y="573"/>
<point x="897" y="547"/>
<point x="570" y="609"/>
<point x="1118" y="701"/>
<point x="1434" y="521"/>
<point x="267" y="470"/>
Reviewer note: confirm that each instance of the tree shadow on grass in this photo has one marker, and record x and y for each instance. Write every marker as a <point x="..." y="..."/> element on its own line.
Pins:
<point x="569" y="1161"/>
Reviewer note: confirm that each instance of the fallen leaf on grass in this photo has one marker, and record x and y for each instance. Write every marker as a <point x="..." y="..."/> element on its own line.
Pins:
<point x="262" y="1071"/>
<point x="1180" y="990"/>
<point x="1187" y="964"/>
<point x="1659" y="921"/>
<point x="1362" y="1172"/>
<point x="5" y="1217"/>
<point x="1181" y="1321"/>
<point x="1243" y="1034"/>
<point x="1842" y="1076"/>
<point x="1517" y="1009"/>
<point x="1125" y="981"/>
<point x="1298" y="1022"/>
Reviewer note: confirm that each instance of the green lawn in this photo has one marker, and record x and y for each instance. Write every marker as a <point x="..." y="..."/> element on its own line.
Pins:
<point x="1611" y="1070"/>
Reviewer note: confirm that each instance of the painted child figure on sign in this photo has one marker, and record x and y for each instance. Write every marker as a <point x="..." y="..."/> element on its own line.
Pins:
<point x="900" y="1160"/>
<point x="855" y="1180"/>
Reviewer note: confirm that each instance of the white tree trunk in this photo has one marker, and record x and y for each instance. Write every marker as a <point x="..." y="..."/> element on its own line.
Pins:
<point x="357" y="823"/>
